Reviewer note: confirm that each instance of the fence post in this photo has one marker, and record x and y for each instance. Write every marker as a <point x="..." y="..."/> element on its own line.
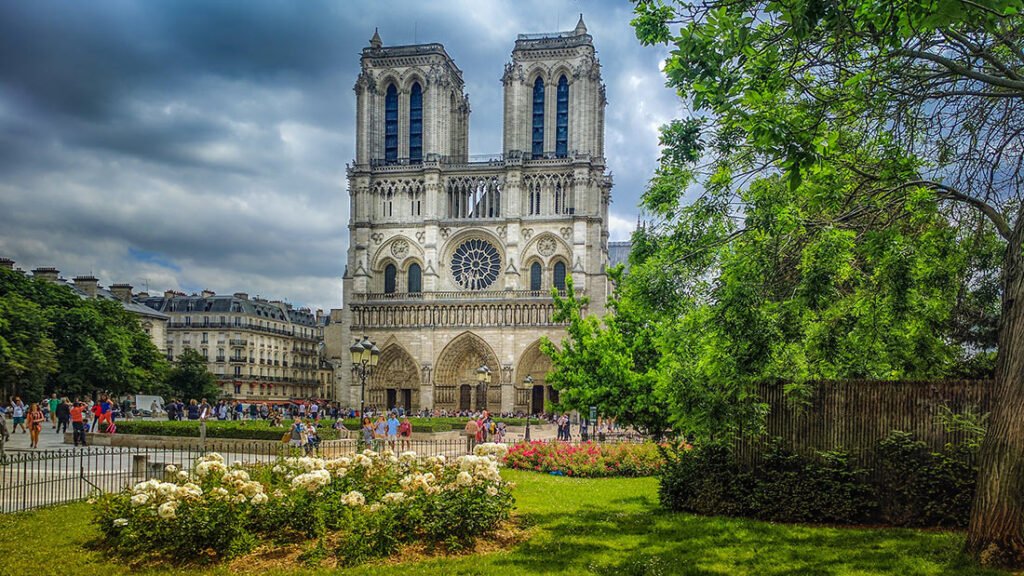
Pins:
<point x="140" y="462"/>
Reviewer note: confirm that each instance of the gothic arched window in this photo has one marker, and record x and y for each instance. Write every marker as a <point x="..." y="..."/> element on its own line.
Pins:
<point x="415" y="278"/>
<point x="416" y="123"/>
<point x="559" y="279"/>
<point x="390" y="274"/>
<point x="535" y="276"/>
<point x="562" y="119"/>
<point x="538" y="118"/>
<point x="391" y="125"/>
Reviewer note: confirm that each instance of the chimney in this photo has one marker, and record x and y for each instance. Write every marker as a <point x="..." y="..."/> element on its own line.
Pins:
<point x="241" y="295"/>
<point x="87" y="284"/>
<point x="169" y="294"/>
<point x="143" y="294"/>
<point x="51" y="274"/>
<point x="209" y="293"/>
<point x="123" y="292"/>
<point x="7" y="263"/>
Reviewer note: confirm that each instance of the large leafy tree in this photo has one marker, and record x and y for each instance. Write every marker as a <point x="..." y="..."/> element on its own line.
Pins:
<point x="903" y="101"/>
<point x="190" y="380"/>
<point x="89" y="346"/>
<point x="608" y="365"/>
<point x="27" y="354"/>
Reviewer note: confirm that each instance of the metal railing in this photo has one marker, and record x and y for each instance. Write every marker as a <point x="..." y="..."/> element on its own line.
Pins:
<point x="30" y="480"/>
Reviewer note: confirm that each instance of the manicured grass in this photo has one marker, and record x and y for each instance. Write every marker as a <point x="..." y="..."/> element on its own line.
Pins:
<point x="598" y="526"/>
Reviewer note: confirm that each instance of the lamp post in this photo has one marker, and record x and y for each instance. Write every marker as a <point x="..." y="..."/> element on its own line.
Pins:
<point x="365" y="356"/>
<point x="529" y="386"/>
<point x="483" y="376"/>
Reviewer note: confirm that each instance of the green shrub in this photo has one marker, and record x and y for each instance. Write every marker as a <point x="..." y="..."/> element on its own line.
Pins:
<point x="908" y="485"/>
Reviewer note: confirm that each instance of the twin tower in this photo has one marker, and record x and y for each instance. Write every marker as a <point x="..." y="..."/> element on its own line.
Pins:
<point x="452" y="258"/>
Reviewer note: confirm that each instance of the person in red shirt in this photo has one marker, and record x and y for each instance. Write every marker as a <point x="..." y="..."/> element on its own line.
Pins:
<point x="78" y="422"/>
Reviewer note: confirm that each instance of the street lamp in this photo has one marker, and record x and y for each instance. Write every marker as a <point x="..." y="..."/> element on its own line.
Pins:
<point x="529" y="386"/>
<point x="483" y="376"/>
<point x="365" y="356"/>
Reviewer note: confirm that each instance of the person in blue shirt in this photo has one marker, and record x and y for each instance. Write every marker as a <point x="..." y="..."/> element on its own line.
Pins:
<point x="393" y="424"/>
<point x="380" y="432"/>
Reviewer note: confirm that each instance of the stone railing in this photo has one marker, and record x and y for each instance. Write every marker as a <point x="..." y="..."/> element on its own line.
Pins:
<point x="456" y="296"/>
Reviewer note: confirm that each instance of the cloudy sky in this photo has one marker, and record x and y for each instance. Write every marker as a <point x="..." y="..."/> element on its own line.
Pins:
<point x="202" y="144"/>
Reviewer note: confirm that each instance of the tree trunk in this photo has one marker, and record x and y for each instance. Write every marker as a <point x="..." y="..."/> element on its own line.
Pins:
<point x="996" y="533"/>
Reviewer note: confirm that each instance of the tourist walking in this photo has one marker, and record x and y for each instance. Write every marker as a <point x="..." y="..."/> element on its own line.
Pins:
<point x="380" y="433"/>
<point x="18" y="415"/>
<point x="53" y="403"/>
<point x="297" y="432"/>
<point x="63" y="414"/>
<point x="405" y="434"/>
<point x="35" y="424"/>
<point x="393" y="425"/>
<point x="471" y="430"/>
<point x="78" y="414"/>
<point x="367" y="430"/>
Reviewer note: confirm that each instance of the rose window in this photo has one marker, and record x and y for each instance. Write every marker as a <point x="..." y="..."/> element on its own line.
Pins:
<point x="476" y="264"/>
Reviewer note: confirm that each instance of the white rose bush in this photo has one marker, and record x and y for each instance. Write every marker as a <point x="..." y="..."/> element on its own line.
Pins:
<point x="371" y="504"/>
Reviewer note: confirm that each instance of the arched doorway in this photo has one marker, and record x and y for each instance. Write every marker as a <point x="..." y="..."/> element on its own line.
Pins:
<point x="455" y="379"/>
<point x="395" y="382"/>
<point x="532" y="396"/>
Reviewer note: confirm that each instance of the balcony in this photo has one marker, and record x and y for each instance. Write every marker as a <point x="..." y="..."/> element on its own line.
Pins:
<point x="220" y="358"/>
<point x="239" y="342"/>
<point x="459" y="296"/>
<point x="237" y="360"/>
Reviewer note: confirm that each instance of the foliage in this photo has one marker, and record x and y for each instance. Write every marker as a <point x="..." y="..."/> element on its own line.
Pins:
<point x="586" y="460"/>
<point x="903" y="485"/>
<point x="373" y="504"/>
<point x="27" y="354"/>
<point x="261" y="429"/>
<point x="607" y="366"/>
<point x="604" y="526"/>
<point x="189" y="379"/>
<point x="78" y="345"/>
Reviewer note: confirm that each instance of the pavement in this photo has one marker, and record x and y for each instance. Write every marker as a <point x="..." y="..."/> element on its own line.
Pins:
<point x="49" y="439"/>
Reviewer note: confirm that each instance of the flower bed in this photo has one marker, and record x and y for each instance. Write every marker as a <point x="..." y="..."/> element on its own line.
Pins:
<point x="357" y="508"/>
<point x="586" y="460"/>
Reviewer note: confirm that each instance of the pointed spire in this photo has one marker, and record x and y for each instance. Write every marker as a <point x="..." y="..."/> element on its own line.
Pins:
<point x="375" y="41"/>
<point x="581" y="28"/>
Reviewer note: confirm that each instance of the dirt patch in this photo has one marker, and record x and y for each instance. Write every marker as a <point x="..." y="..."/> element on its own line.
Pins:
<point x="305" y="554"/>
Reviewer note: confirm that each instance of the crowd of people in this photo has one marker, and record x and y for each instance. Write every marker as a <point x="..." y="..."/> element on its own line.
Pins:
<point x="83" y="416"/>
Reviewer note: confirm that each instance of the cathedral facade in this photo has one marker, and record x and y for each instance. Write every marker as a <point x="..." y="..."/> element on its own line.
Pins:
<point x="452" y="259"/>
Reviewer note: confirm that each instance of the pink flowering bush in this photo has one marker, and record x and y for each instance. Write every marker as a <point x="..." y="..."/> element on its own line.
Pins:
<point x="586" y="460"/>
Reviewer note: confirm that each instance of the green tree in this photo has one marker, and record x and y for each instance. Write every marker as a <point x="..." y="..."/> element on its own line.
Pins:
<point x="607" y="366"/>
<point x="189" y="379"/>
<point x="905" y="102"/>
<point x="27" y="355"/>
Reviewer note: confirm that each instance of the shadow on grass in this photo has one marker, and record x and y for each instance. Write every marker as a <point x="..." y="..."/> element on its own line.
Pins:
<point x="604" y="540"/>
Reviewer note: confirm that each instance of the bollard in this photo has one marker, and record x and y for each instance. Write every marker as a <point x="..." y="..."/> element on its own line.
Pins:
<point x="202" y="433"/>
<point x="139" y="463"/>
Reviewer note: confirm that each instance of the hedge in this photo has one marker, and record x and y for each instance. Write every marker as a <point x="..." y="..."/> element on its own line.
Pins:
<point x="908" y="485"/>
<point x="253" y="429"/>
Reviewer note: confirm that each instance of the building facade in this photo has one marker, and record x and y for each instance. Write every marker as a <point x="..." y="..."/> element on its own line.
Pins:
<point x="259" y="350"/>
<point x="452" y="259"/>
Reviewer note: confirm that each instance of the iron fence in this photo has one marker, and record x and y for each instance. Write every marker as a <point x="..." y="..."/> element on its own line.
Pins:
<point x="31" y="480"/>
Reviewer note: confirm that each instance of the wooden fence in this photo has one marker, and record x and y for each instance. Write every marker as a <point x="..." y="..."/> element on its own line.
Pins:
<point x="855" y="414"/>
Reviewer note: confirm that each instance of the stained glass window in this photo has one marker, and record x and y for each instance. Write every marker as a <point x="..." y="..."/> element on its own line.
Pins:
<point x="535" y="276"/>
<point x="416" y="123"/>
<point x="562" y="119"/>
<point x="415" y="278"/>
<point x="475" y="264"/>
<point x="391" y="125"/>
<point x="538" y="118"/>
<point x="390" y="272"/>
<point x="559" y="280"/>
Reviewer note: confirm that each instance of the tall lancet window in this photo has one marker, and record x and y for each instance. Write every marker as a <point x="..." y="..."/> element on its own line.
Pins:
<point x="391" y="125"/>
<point x="538" y="118"/>
<point x="562" y="119"/>
<point x="416" y="123"/>
<point x="390" y="278"/>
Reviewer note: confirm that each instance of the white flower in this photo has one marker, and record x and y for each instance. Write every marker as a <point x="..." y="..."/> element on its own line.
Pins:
<point x="393" y="497"/>
<point x="120" y="522"/>
<point x="375" y="507"/>
<point x="213" y="457"/>
<point x="167" y="510"/>
<point x="239" y="499"/>
<point x="258" y="499"/>
<point x="140" y="499"/>
<point x="353" y="498"/>
<point x="492" y="491"/>
<point x="182" y="475"/>
<point x="312" y="481"/>
<point x="171" y="469"/>
<point x="218" y="493"/>
<point x="464" y="478"/>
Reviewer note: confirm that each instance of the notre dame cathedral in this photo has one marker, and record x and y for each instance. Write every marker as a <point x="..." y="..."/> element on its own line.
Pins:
<point x="452" y="258"/>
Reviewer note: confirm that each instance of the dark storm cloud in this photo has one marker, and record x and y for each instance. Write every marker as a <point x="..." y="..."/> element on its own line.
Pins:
<point x="203" y="144"/>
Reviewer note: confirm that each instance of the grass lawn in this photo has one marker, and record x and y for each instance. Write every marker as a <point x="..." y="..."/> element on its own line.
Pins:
<point x="597" y="526"/>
